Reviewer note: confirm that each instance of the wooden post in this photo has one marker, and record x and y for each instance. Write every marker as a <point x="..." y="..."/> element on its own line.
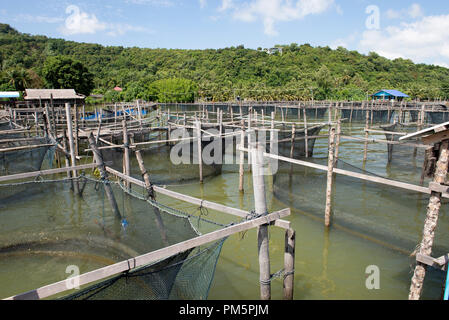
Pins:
<point x="292" y="141"/>
<point x="115" y="115"/>
<point x="126" y="163"/>
<point x="289" y="263"/>
<point x="352" y="109"/>
<point x="337" y="143"/>
<point x="75" y="119"/>
<point x="365" y="151"/>
<point x="146" y="179"/>
<point x="36" y="123"/>
<point x="242" y="157"/>
<point x="200" y="151"/>
<point x="431" y="221"/>
<point x="330" y="178"/>
<point x="55" y="129"/>
<point x="306" y="134"/>
<point x="71" y="145"/>
<point x="47" y="121"/>
<point x="261" y="209"/>
<point x="104" y="175"/>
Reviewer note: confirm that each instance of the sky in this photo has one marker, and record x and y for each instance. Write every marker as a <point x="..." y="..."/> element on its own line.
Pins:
<point x="416" y="30"/>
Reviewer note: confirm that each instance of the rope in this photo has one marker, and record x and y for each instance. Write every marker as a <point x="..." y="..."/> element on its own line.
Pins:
<point x="279" y="274"/>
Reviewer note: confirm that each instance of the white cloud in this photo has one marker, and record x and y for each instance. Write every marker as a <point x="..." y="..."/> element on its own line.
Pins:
<point x="203" y="3"/>
<point x="272" y="11"/>
<point x="344" y="42"/>
<point x="425" y="40"/>
<point x="415" y="11"/>
<point x="225" y="5"/>
<point x="79" y="22"/>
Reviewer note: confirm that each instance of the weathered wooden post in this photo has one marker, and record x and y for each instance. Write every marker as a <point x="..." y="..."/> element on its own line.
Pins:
<point x="261" y="209"/>
<point x="365" y="150"/>
<point x="242" y="157"/>
<point x="292" y="141"/>
<point x="146" y="179"/>
<point x="430" y="224"/>
<point x="337" y="143"/>
<point x="200" y="151"/>
<point x="289" y="263"/>
<point x="104" y="175"/>
<point x="306" y="134"/>
<point x="72" y="146"/>
<point x="330" y="178"/>
<point x="126" y="163"/>
<point x="75" y="119"/>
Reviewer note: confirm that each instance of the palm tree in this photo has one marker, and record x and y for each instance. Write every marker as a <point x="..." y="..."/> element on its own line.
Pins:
<point x="18" y="78"/>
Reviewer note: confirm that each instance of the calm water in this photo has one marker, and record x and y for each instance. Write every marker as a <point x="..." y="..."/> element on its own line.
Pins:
<point x="374" y="225"/>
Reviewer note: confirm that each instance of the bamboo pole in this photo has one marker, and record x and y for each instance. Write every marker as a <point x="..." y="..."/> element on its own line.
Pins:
<point x="242" y="158"/>
<point x="306" y="134"/>
<point x="330" y="174"/>
<point x="71" y="146"/>
<point x="337" y="143"/>
<point x="289" y="264"/>
<point x="431" y="221"/>
<point x="126" y="160"/>
<point x="148" y="186"/>
<point x="200" y="151"/>
<point x="261" y="209"/>
<point x="104" y="176"/>
<point x="365" y="150"/>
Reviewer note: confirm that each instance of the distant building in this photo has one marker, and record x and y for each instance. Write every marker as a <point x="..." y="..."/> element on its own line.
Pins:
<point x="8" y="97"/>
<point x="389" y="95"/>
<point x="59" y="96"/>
<point x="273" y="50"/>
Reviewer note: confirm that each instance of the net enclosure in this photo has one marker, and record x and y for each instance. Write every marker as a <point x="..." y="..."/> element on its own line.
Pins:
<point x="47" y="229"/>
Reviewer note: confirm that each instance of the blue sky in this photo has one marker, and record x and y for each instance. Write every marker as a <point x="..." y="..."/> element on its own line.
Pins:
<point x="410" y="29"/>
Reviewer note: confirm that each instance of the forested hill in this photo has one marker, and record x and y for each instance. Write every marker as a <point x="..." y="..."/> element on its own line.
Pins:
<point x="162" y="74"/>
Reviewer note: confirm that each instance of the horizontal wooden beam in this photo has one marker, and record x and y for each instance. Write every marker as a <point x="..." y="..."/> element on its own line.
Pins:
<point x="44" y="172"/>
<point x="206" y="204"/>
<point x="440" y="263"/>
<point x="148" y="258"/>
<point x="361" y="176"/>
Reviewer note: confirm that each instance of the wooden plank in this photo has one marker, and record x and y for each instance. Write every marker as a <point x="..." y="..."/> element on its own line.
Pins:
<point x="393" y="183"/>
<point x="148" y="258"/>
<point x="439" y="263"/>
<point x="45" y="172"/>
<point x="207" y="204"/>
<point x="27" y="147"/>
<point x="437" y="137"/>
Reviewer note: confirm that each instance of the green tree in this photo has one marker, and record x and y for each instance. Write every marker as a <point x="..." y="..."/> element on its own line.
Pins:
<point x="61" y="72"/>
<point x="172" y="90"/>
<point x="19" y="79"/>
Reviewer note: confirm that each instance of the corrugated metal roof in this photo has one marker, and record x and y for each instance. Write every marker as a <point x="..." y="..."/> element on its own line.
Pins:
<point x="9" y="94"/>
<point x="395" y="93"/>
<point x="36" y="94"/>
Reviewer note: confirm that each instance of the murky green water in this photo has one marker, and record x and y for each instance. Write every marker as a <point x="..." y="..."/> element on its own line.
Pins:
<point x="329" y="264"/>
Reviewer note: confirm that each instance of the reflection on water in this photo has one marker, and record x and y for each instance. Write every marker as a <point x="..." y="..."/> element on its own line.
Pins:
<point x="373" y="225"/>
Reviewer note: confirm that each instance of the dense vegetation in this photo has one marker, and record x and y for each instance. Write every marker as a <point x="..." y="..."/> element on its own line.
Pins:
<point x="300" y="72"/>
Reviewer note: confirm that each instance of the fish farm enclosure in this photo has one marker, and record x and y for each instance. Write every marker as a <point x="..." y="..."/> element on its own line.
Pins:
<point x="275" y="200"/>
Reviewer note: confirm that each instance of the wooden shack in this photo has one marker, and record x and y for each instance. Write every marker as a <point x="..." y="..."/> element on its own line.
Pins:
<point x="55" y="96"/>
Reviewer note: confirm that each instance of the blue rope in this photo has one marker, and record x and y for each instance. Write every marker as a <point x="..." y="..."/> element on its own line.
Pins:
<point x="446" y="291"/>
